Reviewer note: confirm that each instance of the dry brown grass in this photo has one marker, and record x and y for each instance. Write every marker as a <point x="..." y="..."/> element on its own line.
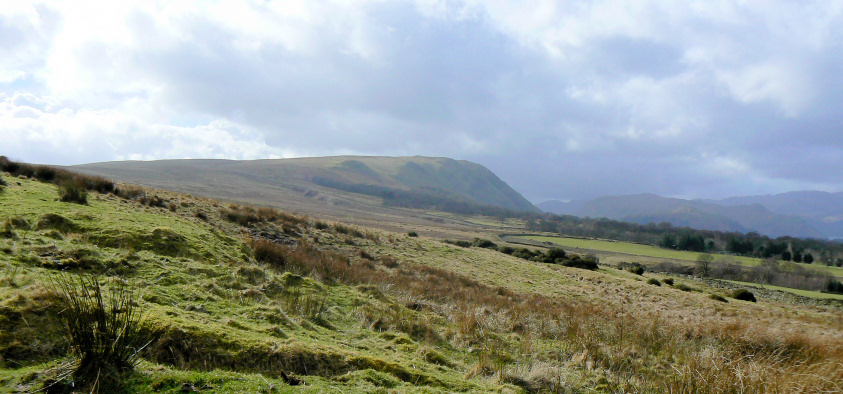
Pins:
<point x="638" y="346"/>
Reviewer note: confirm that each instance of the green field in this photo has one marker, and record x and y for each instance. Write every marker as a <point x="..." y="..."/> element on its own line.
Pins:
<point x="806" y="293"/>
<point x="652" y="251"/>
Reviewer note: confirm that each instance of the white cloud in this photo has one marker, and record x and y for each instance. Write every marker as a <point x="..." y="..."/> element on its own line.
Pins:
<point x="34" y="126"/>
<point x="631" y="94"/>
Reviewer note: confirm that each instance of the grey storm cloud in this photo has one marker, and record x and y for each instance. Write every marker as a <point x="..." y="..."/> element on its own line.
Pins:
<point x="562" y="101"/>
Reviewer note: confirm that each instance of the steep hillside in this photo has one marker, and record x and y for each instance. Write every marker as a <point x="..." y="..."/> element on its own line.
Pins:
<point x="650" y="208"/>
<point x="237" y="299"/>
<point x="262" y="179"/>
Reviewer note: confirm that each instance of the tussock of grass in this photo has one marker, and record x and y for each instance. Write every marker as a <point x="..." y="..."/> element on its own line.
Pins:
<point x="103" y="331"/>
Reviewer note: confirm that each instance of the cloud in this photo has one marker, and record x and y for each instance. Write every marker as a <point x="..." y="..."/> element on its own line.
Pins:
<point x="562" y="99"/>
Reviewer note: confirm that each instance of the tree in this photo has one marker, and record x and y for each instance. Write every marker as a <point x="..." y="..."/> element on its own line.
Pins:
<point x="786" y="256"/>
<point x="808" y="258"/>
<point x="704" y="265"/>
<point x="797" y="257"/>
<point x="668" y="241"/>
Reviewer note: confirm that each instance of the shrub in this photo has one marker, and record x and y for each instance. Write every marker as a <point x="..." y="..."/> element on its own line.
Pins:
<point x="834" y="286"/>
<point x="45" y="173"/>
<point x="71" y="190"/>
<point x="389" y="262"/>
<point x="668" y="281"/>
<point x="524" y="253"/>
<point x="98" y="183"/>
<point x="129" y="192"/>
<point x="555" y="253"/>
<point x="320" y="225"/>
<point x="637" y="270"/>
<point x="744" y="295"/>
<point x="684" y="287"/>
<point x="506" y="249"/>
<point x="575" y="261"/>
<point x="654" y="281"/>
<point x="2" y="182"/>
<point x="458" y="242"/>
<point x="717" y="298"/>
<point x="412" y="234"/>
<point x="201" y="215"/>
<point x="484" y="243"/>
<point x="103" y="331"/>
<point x="268" y="252"/>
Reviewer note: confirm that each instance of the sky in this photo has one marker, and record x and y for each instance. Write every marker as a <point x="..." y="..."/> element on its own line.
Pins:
<point x="561" y="99"/>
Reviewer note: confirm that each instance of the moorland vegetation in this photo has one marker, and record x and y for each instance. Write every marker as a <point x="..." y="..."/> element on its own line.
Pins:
<point x="233" y="298"/>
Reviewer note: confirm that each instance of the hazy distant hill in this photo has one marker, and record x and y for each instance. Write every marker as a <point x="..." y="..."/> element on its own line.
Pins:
<point x="265" y="180"/>
<point x="647" y="208"/>
<point x="822" y="210"/>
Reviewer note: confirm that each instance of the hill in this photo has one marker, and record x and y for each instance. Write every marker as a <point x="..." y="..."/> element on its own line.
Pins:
<point x="650" y="208"/>
<point x="423" y="181"/>
<point x="822" y="210"/>
<point x="232" y="298"/>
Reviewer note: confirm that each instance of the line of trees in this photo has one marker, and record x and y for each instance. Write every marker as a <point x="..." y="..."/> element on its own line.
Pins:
<point x="681" y="238"/>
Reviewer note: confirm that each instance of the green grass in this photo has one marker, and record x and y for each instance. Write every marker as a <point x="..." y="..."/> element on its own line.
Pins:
<point x="435" y="318"/>
<point x="205" y="300"/>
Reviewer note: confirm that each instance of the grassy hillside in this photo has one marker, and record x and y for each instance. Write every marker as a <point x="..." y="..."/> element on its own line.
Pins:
<point x="456" y="179"/>
<point x="235" y="299"/>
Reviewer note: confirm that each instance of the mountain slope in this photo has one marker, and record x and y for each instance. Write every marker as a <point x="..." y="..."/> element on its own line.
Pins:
<point x="647" y="208"/>
<point x="822" y="210"/>
<point x="461" y="179"/>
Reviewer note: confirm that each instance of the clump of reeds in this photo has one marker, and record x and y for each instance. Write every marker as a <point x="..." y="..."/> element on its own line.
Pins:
<point x="103" y="330"/>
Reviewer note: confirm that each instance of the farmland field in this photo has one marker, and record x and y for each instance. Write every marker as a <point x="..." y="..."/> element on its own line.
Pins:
<point x="652" y="251"/>
<point x="805" y="293"/>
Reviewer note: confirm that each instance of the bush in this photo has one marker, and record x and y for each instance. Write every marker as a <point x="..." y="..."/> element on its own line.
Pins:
<point x="268" y="252"/>
<point x="668" y="281"/>
<point x="71" y="190"/>
<point x="526" y="254"/>
<point x="684" y="287"/>
<point x="412" y="234"/>
<point x="654" y="281"/>
<point x="103" y="331"/>
<point x="201" y="215"/>
<point x="320" y="225"/>
<point x="555" y="253"/>
<point x="458" y="242"/>
<point x="484" y="243"/>
<point x="744" y="295"/>
<point x="717" y="298"/>
<point x="2" y="182"/>
<point x="506" y="249"/>
<point x="129" y="192"/>
<point x="833" y="286"/>
<point x="637" y="270"/>
<point x="45" y="174"/>
<point x="587" y="263"/>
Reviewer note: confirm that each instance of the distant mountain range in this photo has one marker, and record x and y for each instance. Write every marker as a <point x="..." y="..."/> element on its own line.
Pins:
<point x="269" y="181"/>
<point x="805" y="214"/>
